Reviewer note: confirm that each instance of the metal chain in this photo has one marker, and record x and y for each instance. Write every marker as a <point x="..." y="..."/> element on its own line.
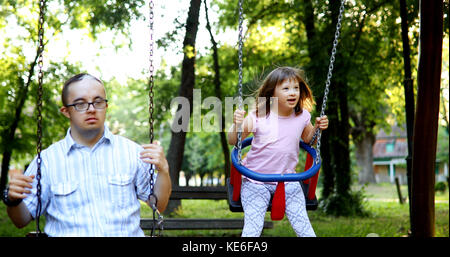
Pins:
<point x="152" y="198"/>
<point x="151" y="69"/>
<point x="239" y="134"/>
<point x="42" y="5"/>
<point x="318" y="133"/>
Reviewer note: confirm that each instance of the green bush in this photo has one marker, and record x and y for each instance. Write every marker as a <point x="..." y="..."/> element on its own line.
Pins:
<point x="348" y="205"/>
<point x="440" y="187"/>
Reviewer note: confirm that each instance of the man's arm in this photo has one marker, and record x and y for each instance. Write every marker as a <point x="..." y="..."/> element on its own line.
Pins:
<point x="163" y="189"/>
<point x="19" y="215"/>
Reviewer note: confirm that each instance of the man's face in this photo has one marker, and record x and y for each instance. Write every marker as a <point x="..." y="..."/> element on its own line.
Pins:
<point x="87" y="90"/>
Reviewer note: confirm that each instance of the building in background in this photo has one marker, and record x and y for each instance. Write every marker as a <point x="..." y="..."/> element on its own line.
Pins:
<point x="389" y="157"/>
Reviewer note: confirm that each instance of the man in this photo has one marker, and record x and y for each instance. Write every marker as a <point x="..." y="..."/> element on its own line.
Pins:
<point x="91" y="180"/>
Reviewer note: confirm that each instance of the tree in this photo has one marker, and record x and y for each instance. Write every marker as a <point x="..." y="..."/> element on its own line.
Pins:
<point x="300" y="33"/>
<point x="426" y="119"/>
<point x="176" y="148"/>
<point x="218" y="93"/>
<point x="19" y="79"/>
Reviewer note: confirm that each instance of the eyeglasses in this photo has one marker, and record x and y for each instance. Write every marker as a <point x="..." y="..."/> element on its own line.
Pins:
<point x="82" y="107"/>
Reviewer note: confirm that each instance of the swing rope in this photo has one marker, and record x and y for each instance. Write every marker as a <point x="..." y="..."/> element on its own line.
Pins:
<point x="317" y="134"/>
<point x="152" y="198"/>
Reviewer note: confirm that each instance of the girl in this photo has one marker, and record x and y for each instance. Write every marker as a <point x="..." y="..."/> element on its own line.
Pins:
<point x="281" y="118"/>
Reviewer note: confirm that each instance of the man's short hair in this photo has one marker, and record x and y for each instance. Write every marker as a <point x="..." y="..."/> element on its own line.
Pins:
<point x="78" y="77"/>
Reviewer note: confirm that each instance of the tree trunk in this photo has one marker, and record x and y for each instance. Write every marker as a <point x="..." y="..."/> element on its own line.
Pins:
<point x="217" y="86"/>
<point x="327" y="170"/>
<point x="409" y="94"/>
<point x="335" y="140"/>
<point x="201" y="178"/>
<point x="341" y="146"/>
<point x="364" y="157"/>
<point x="426" y="119"/>
<point x="10" y="132"/>
<point x="364" y="139"/>
<point x="176" y="147"/>
<point x="328" y="175"/>
<point x="188" y="177"/>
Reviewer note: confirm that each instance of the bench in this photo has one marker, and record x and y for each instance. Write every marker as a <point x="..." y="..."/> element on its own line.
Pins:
<point x="196" y="224"/>
<point x="206" y="192"/>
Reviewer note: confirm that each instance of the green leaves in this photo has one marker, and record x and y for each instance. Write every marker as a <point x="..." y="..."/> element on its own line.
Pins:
<point x="18" y="39"/>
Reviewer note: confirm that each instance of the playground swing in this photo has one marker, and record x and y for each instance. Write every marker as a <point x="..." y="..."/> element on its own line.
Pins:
<point x="157" y="223"/>
<point x="308" y="178"/>
<point x="152" y="198"/>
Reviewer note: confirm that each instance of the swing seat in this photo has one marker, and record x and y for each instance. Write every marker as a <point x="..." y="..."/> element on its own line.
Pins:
<point x="236" y="206"/>
<point x="307" y="179"/>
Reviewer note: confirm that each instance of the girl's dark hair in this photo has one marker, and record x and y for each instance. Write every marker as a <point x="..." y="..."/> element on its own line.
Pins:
<point x="78" y="77"/>
<point x="278" y="76"/>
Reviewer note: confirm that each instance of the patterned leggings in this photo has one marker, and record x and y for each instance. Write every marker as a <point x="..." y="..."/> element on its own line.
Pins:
<point x="256" y="198"/>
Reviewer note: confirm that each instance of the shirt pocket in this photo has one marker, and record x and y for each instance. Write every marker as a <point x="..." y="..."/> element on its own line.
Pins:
<point x="65" y="200"/>
<point x="122" y="193"/>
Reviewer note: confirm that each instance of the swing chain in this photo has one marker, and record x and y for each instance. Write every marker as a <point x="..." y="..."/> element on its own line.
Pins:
<point x="318" y="133"/>
<point x="151" y="69"/>
<point x="159" y="222"/>
<point x="42" y="5"/>
<point x="239" y="134"/>
<point x="152" y="197"/>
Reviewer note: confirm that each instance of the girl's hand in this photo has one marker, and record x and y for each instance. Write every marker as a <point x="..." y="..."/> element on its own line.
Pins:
<point x="321" y="123"/>
<point x="238" y="117"/>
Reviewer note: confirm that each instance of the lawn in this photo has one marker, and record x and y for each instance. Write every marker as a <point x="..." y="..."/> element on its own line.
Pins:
<point x="388" y="218"/>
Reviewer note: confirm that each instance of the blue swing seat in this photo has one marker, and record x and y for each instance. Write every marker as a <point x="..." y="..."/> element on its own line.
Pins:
<point x="311" y="204"/>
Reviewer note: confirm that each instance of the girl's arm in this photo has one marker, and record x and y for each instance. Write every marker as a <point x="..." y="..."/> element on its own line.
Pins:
<point x="239" y="120"/>
<point x="308" y="132"/>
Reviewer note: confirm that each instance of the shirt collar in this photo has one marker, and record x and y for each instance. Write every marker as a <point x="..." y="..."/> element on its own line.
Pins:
<point x="71" y="144"/>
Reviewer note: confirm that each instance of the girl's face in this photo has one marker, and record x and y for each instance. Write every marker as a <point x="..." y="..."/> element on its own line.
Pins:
<point x="288" y="94"/>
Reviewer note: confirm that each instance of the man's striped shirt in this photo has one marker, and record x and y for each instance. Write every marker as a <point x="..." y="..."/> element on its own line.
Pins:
<point x="91" y="191"/>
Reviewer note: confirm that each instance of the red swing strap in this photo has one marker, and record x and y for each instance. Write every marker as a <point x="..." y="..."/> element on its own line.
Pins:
<point x="279" y="197"/>
<point x="312" y="181"/>
<point x="235" y="181"/>
<point x="278" y="202"/>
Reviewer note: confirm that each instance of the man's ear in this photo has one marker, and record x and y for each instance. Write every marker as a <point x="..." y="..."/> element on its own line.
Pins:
<point x="65" y="111"/>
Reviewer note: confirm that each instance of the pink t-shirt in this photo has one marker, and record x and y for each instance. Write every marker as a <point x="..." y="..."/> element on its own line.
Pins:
<point x="275" y="145"/>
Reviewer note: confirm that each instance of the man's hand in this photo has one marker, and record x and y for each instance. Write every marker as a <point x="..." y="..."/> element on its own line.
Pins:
<point x="154" y="154"/>
<point x="19" y="186"/>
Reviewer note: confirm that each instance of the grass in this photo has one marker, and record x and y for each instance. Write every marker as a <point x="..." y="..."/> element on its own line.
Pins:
<point x="388" y="218"/>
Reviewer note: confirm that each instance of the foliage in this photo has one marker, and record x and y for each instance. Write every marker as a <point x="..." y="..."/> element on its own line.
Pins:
<point x="102" y="15"/>
<point x="368" y="67"/>
<point x="18" y="23"/>
<point x="128" y="112"/>
<point x="350" y="204"/>
<point x="386" y="219"/>
<point x="442" y="154"/>
<point x="440" y="187"/>
<point x="368" y="64"/>
<point x="54" y="123"/>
